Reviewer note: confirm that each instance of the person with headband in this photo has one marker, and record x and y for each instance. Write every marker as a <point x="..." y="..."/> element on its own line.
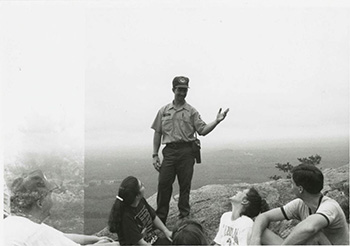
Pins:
<point x="235" y="226"/>
<point x="176" y="125"/>
<point x="133" y="219"/>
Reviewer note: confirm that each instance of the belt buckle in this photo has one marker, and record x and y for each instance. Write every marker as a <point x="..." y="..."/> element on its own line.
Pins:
<point x="175" y="145"/>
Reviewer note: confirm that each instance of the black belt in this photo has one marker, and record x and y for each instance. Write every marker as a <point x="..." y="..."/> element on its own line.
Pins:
<point x="177" y="145"/>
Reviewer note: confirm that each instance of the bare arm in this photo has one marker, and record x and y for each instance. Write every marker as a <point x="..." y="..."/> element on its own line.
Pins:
<point x="160" y="225"/>
<point x="261" y="223"/>
<point x="87" y="239"/>
<point x="306" y="229"/>
<point x="105" y="244"/>
<point x="156" y="142"/>
<point x="219" y="117"/>
<point x="143" y="242"/>
<point x="156" y="145"/>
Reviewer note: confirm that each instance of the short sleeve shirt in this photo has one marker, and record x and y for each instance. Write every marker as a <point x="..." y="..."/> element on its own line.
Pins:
<point x="177" y="125"/>
<point x="233" y="232"/>
<point x="337" y="230"/>
<point x="20" y="231"/>
<point x="137" y="223"/>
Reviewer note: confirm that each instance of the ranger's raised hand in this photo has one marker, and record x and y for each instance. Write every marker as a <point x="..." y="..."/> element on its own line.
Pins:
<point x="221" y="116"/>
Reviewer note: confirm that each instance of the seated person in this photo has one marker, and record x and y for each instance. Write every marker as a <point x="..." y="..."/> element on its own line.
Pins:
<point x="189" y="232"/>
<point x="31" y="203"/>
<point x="133" y="219"/>
<point x="235" y="226"/>
<point x="322" y="219"/>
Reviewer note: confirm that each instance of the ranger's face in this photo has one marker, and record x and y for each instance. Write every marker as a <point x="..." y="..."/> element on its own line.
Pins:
<point x="180" y="93"/>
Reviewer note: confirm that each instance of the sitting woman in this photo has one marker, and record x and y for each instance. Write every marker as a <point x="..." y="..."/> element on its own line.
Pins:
<point x="133" y="219"/>
<point x="235" y="226"/>
<point x="189" y="232"/>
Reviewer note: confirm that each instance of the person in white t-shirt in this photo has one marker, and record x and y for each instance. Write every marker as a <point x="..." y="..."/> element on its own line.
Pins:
<point x="31" y="203"/>
<point x="235" y="226"/>
<point x="322" y="219"/>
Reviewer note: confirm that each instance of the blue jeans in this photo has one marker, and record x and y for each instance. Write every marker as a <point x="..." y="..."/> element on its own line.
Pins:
<point x="177" y="162"/>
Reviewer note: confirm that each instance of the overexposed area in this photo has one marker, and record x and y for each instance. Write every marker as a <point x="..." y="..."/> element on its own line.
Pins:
<point x="86" y="77"/>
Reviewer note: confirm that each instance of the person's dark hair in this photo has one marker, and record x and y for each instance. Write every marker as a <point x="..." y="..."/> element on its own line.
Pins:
<point x="255" y="204"/>
<point x="309" y="177"/>
<point x="189" y="232"/>
<point x="128" y="190"/>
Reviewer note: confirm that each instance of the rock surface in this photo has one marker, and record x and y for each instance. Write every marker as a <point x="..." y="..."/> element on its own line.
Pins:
<point x="209" y="202"/>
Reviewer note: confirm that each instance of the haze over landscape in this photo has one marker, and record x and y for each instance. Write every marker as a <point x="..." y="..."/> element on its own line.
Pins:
<point x="83" y="81"/>
<point x="98" y="76"/>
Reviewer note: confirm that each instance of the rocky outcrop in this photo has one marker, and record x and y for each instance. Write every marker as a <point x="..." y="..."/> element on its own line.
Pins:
<point x="209" y="202"/>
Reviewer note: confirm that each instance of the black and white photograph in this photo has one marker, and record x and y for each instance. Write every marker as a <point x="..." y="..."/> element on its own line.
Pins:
<point x="174" y="122"/>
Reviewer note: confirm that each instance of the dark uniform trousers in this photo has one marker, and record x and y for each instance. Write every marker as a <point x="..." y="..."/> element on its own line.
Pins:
<point x="178" y="161"/>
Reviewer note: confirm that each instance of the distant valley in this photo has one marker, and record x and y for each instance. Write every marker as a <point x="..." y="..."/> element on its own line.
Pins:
<point x="105" y="170"/>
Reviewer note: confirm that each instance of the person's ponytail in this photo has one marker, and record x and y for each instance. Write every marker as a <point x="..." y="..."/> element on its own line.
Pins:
<point x="114" y="221"/>
<point x="127" y="193"/>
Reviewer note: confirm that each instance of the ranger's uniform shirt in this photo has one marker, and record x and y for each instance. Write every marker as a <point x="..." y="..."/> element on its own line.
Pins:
<point x="178" y="125"/>
<point x="337" y="230"/>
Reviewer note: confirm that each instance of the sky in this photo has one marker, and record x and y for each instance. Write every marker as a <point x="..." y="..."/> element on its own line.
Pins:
<point x="93" y="74"/>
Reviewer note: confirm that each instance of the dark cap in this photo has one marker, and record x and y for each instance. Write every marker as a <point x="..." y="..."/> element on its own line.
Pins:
<point x="181" y="82"/>
<point x="33" y="181"/>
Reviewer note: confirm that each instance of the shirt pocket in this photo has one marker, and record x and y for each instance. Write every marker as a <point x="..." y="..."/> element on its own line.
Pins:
<point x="187" y="125"/>
<point x="167" y="123"/>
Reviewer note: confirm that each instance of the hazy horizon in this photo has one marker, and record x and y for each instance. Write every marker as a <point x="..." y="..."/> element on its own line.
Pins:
<point x="82" y="81"/>
<point x="98" y="76"/>
<point x="289" y="143"/>
<point x="105" y="169"/>
<point x="147" y="149"/>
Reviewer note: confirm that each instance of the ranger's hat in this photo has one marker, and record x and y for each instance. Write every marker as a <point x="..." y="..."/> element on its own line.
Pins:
<point x="181" y="82"/>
